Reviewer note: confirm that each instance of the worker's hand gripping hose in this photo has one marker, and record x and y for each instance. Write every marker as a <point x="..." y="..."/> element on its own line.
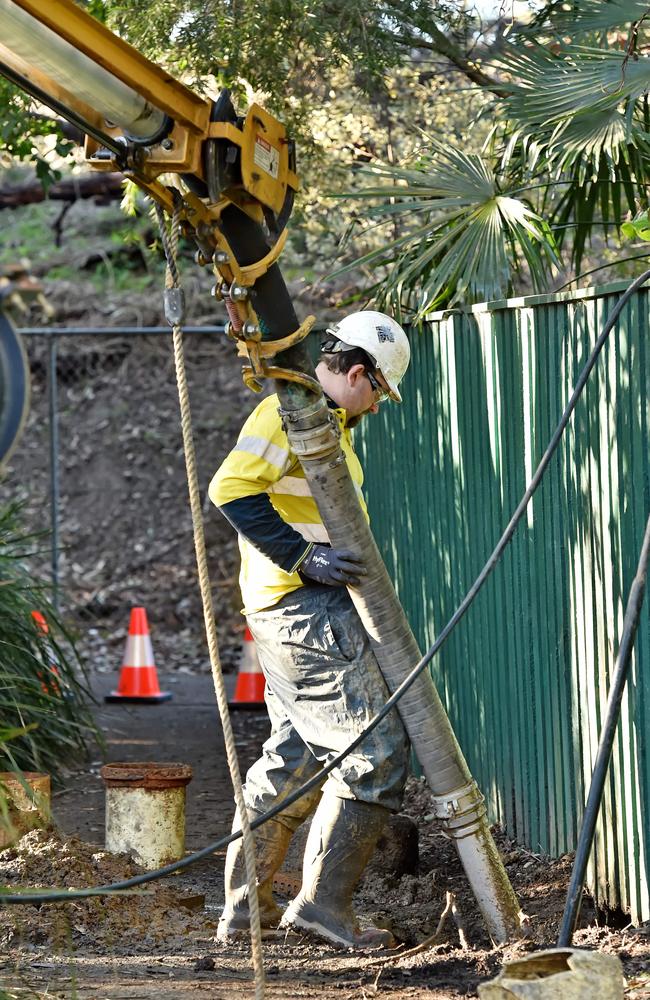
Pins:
<point x="332" y="567"/>
<point x="28" y="896"/>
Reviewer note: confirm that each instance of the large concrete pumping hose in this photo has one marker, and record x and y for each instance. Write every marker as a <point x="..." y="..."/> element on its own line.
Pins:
<point x="459" y="805"/>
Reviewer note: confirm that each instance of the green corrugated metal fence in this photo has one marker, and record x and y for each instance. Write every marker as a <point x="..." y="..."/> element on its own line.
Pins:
<point x="525" y="674"/>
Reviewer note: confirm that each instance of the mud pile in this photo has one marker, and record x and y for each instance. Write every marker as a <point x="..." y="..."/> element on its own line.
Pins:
<point x="145" y="918"/>
<point x="413" y="904"/>
<point x="454" y="952"/>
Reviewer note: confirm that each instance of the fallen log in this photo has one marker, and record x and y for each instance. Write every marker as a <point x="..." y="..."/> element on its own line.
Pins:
<point x="96" y="185"/>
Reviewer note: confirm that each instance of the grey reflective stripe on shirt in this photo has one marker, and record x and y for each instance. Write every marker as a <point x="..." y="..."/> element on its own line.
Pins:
<point x="294" y="486"/>
<point x="259" y="446"/>
<point x="312" y="532"/>
<point x="291" y="486"/>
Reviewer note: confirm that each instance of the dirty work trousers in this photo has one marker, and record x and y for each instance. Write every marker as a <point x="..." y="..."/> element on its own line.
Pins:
<point x="323" y="686"/>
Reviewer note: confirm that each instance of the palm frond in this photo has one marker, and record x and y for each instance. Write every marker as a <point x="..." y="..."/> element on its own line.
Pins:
<point x="469" y="238"/>
<point x="549" y="89"/>
<point x="588" y="16"/>
<point x="579" y="117"/>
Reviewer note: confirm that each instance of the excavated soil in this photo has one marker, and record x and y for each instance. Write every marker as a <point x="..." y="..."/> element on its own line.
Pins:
<point x="108" y="924"/>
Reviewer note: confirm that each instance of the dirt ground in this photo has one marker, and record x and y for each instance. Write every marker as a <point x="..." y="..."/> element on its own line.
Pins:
<point x="160" y="945"/>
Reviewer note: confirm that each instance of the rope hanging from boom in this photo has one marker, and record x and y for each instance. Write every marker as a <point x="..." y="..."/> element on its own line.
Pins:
<point x="174" y="311"/>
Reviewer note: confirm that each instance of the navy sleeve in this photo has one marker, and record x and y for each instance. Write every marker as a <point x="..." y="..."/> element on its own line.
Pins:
<point x="258" y="521"/>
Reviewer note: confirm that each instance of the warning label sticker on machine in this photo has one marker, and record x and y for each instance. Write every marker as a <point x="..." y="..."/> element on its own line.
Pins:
<point x="266" y="156"/>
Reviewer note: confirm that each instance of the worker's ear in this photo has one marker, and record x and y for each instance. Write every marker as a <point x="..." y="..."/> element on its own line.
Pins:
<point x="355" y="373"/>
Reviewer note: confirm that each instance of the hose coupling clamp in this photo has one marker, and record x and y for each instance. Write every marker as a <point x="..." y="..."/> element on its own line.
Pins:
<point x="460" y="812"/>
<point x="306" y="417"/>
<point x="312" y="431"/>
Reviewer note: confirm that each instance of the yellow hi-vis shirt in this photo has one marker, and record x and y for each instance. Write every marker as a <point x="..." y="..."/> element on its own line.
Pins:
<point x="261" y="462"/>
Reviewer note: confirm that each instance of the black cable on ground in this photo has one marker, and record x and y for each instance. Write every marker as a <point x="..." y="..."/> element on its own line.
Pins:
<point x="57" y="895"/>
<point x="603" y="757"/>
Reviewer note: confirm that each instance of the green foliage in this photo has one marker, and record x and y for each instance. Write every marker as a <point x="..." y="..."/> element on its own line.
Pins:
<point x="97" y="8"/>
<point x="287" y="49"/>
<point x="570" y="129"/>
<point x="352" y="131"/>
<point x="130" y="199"/>
<point x="564" y="101"/>
<point x="44" y="716"/>
<point x="562" y="17"/>
<point x="638" y="228"/>
<point x="20" y="131"/>
<point x="462" y="236"/>
<point x="577" y="116"/>
<point x="278" y="49"/>
<point x="298" y="57"/>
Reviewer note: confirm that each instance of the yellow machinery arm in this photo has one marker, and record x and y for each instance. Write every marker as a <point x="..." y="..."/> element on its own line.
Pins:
<point x="140" y="120"/>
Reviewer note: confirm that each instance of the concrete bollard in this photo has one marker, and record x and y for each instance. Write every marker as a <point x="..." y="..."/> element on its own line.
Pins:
<point x="558" y="974"/>
<point x="145" y="811"/>
<point x="25" y="810"/>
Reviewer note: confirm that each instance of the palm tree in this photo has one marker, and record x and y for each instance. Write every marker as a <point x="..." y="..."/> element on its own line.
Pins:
<point x="567" y="159"/>
<point x="577" y="117"/>
<point x="463" y="234"/>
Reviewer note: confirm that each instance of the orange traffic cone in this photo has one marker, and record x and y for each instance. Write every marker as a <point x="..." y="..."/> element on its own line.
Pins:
<point x="249" y="690"/>
<point x="50" y="682"/>
<point x="138" y="678"/>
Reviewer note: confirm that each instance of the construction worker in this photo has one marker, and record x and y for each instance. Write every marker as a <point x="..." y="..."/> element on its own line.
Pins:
<point x="323" y="681"/>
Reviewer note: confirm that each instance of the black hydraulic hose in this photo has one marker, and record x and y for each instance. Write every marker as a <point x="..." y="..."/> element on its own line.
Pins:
<point x="39" y="896"/>
<point x="619" y="680"/>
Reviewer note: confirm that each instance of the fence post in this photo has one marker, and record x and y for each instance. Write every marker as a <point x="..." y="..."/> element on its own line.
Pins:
<point x="54" y="466"/>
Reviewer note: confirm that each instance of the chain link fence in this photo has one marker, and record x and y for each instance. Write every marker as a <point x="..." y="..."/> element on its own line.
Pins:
<point x="100" y="473"/>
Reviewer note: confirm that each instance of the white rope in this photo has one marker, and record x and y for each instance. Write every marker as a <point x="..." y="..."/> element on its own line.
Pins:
<point x="172" y="281"/>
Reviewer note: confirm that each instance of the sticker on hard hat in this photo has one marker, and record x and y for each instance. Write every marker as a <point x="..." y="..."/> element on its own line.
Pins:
<point x="385" y="333"/>
<point x="266" y="156"/>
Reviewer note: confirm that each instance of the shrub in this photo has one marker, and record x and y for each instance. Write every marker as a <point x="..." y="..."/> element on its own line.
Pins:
<point x="45" y="718"/>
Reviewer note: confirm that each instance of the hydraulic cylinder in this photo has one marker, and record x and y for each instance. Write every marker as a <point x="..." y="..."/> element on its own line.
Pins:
<point x="30" y="45"/>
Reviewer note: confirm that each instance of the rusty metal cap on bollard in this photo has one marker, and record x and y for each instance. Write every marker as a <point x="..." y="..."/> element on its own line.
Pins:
<point x="150" y="775"/>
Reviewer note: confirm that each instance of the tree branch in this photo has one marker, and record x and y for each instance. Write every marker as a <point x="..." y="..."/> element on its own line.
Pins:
<point x="444" y="46"/>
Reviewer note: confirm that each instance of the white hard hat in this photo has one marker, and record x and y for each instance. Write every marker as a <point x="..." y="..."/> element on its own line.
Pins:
<point x="383" y="340"/>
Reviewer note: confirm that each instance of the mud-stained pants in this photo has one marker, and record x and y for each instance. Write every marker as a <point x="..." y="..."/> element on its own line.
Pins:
<point x="323" y="686"/>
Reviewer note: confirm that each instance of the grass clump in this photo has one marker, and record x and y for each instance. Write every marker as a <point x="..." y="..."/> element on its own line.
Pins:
<point x="45" y="719"/>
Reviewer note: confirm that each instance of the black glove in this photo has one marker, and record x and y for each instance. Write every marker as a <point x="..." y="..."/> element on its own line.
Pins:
<point x="334" y="567"/>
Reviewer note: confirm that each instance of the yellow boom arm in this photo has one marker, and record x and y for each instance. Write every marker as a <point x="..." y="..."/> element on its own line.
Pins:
<point x="140" y="120"/>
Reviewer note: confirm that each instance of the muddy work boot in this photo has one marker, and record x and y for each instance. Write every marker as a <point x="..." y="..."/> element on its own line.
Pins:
<point x="271" y="844"/>
<point x="342" y="838"/>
